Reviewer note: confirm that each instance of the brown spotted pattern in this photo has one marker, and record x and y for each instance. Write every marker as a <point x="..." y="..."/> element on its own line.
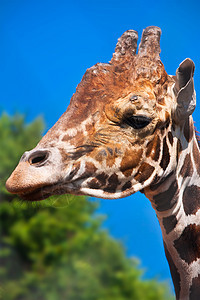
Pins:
<point x="165" y="156"/>
<point x="130" y="161"/>
<point x="144" y="172"/>
<point x="191" y="199"/>
<point x="178" y="150"/>
<point x="113" y="183"/>
<point x="153" y="148"/>
<point x="187" y="168"/>
<point x="158" y="181"/>
<point x="195" y="288"/>
<point x="169" y="223"/>
<point x="102" y="178"/>
<point x="166" y="200"/>
<point x="188" y="244"/>
<point x="127" y="186"/>
<point x="188" y="132"/>
<point x="170" y="137"/>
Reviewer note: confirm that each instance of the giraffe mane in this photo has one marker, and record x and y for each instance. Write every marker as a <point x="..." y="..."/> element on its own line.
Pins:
<point x="197" y="136"/>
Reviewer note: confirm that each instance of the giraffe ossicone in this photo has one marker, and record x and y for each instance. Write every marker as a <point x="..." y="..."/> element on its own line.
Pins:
<point x="129" y="128"/>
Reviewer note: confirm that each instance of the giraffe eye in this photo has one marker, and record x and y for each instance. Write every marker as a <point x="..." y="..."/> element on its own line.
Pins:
<point x="137" y="122"/>
<point x="133" y="98"/>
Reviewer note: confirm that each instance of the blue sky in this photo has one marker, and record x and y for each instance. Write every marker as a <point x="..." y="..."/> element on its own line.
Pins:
<point x="46" y="46"/>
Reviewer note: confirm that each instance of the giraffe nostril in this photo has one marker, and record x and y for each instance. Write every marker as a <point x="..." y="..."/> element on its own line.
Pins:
<point x="38" y="158"/>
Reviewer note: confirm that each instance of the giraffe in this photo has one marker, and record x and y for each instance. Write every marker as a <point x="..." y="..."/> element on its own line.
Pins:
<point x="129" y="128"/>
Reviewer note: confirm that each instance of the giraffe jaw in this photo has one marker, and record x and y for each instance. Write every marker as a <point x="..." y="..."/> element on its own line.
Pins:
<point x="74" y="188"/>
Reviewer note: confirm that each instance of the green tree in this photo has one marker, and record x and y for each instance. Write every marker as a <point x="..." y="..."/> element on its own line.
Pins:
<point x="58" y="250"/>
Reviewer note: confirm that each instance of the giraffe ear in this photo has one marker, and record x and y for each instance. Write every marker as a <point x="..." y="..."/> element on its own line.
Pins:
<point x="184" y="90"/>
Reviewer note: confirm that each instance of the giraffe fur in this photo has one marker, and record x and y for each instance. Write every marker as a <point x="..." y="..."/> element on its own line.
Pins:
<point x="129" y="128"/>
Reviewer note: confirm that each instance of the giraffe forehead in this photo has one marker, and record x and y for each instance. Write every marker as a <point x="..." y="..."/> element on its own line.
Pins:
<point x="98" y="102"/>
<point x="143" y="90"/>
<point x="93" y="95"/>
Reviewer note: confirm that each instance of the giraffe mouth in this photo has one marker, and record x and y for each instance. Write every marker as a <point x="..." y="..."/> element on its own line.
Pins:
<point x="39" y="194"/>
<point x="45" y="192"/>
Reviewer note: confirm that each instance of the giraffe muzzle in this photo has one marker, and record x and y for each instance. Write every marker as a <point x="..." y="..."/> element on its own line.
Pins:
<point x="35" y="171"/>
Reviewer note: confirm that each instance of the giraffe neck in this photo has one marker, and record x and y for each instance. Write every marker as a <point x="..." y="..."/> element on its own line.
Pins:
<point x="176" y="200"/>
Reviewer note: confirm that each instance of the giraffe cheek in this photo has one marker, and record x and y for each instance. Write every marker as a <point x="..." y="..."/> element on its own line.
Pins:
<point x="90" y="169"/>
<point x="110" y="161"/>
<point x="130" y="161"/>
<point x="101" y="155"/>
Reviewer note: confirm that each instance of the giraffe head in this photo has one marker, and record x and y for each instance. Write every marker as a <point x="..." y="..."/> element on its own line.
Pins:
<point x="110" y="141"/>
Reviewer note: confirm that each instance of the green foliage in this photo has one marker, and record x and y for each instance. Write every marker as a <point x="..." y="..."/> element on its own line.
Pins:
<point x="58" y="250"/>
